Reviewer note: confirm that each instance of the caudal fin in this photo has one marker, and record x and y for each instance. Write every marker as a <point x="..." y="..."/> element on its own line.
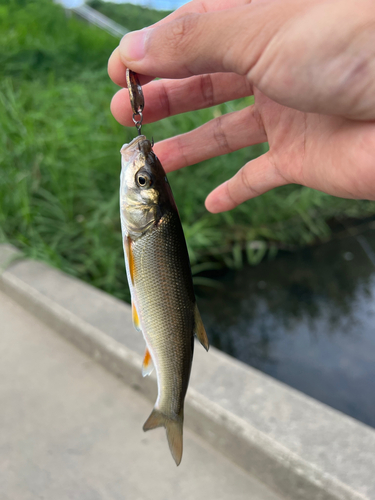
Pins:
<point x="173" y="428"/>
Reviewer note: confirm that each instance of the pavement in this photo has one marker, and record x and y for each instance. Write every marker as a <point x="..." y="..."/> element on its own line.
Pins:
<point x="72" y="430"/>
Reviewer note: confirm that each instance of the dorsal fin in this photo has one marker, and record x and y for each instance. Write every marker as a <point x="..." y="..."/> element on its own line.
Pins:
<point x="199" y="330"/>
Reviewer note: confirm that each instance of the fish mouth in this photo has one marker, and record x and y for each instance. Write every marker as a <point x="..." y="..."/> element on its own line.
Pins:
<point x="138" y="144"/>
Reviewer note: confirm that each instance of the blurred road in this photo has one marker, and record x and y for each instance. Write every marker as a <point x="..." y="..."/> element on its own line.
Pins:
<point x="71" y="430"/>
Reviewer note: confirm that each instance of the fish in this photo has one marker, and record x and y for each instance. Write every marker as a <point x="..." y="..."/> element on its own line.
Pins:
<point x="164" y="306"/>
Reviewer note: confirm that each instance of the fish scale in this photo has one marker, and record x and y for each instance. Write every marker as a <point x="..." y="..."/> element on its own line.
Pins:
<point x="163" y="283"/>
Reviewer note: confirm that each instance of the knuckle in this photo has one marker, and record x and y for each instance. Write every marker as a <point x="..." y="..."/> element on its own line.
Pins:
<point x="183" y="30"/>
<point x="257" y="117"/>
<point x="207" y="89"/>
<point x="230" y="194"/>
<point x="220" y="136"/>
<point x="164" y="99"/>
<point x="244" y="179"/>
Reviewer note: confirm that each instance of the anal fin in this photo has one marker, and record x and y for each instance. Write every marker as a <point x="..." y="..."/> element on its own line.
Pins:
<point x="148" y="365"/>
<point x="199" y="330"/>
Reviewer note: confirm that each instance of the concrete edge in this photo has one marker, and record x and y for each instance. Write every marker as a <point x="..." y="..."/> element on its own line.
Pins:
<point x="254" y="451"/>
<point x="114" y="356"/>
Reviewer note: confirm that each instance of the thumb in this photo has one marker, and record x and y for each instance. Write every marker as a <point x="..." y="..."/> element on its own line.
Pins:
<point x="225" y="41"/>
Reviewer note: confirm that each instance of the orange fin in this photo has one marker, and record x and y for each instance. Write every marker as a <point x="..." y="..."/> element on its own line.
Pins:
<point x="148" y="365"/>
<point x="129" y="256"/>
<point x="136" y="323"/>
<point x="199" y="330"/>
<point x="173" y="428"/>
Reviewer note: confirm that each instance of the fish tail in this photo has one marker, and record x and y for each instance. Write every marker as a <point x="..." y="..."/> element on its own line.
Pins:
<point x="173" y="427"/>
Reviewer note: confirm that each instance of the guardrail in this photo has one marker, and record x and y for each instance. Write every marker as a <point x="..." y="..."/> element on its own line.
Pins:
<point x="94" y="17"/>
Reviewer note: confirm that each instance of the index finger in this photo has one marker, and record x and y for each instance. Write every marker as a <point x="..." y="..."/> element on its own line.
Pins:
<point x="117" y="68"/>
<point x="202" y="6"/>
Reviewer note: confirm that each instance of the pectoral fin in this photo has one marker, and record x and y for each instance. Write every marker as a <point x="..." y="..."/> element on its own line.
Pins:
<point x="148" y="365"/>
<point x="199" y="330"/>
<point x="136" y="323"/>
<point x="129" y="256"/>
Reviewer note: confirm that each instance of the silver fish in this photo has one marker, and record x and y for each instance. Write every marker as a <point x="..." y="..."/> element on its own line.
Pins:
<point x="159" y="276"/>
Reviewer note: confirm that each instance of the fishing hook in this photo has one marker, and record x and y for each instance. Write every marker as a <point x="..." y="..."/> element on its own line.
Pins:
<point x="136" y="98"/>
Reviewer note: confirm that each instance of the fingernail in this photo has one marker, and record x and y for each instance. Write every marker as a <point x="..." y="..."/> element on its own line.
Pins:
<point x="132" y="45"/>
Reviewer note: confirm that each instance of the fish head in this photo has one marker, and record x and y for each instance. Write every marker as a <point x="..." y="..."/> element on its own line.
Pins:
<point x="145" y="194"/>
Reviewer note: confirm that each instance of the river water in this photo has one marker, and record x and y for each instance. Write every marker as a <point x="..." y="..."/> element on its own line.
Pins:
<point x="305" y="318"/>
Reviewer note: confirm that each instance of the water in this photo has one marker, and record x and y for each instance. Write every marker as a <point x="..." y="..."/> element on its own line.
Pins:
<point x="307" y="319"/>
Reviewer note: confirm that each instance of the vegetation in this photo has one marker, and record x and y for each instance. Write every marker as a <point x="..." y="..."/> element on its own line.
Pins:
<point x="59" y="159"/>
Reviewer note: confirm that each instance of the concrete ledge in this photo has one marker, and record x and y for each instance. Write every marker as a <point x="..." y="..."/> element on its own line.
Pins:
<point x="299" y="447"/>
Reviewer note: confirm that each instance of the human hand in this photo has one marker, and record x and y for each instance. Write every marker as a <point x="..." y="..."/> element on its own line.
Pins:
<point x="300" y="59"/>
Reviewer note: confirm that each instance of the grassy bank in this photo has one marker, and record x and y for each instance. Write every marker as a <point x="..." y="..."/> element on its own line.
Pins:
<point x="60" y="164"/>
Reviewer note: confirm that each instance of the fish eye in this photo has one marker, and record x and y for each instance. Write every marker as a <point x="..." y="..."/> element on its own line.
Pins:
<point x="143" y="180"/>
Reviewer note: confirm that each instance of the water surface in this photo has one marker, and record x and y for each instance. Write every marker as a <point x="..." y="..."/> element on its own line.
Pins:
<point x="305" y="318"/>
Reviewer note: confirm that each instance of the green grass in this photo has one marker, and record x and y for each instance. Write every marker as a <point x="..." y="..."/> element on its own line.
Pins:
<point x="60" y="161"/>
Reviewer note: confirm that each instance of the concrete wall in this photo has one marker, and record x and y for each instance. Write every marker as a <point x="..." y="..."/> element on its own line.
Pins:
<point x="299" y="447"/>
